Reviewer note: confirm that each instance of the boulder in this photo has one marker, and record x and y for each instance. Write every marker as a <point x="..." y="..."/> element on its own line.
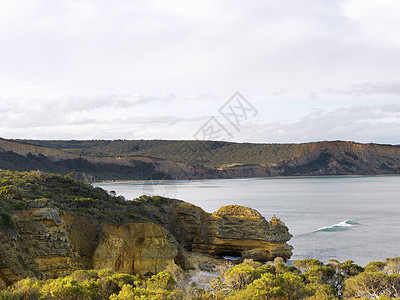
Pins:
<point x="206" y="267"/>
<point x="182" y="259"/>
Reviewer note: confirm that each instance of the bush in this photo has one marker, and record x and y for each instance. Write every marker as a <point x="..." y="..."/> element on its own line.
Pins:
<point x="6" y="221"/>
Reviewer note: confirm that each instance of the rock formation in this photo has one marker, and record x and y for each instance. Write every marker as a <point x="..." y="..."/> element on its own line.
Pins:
<point x="39" y="245"/>
<point x="135" y="248"/>
<point x="242" y="231"/>
<point x="49" y="242"/>
<point x="232" y="230"/>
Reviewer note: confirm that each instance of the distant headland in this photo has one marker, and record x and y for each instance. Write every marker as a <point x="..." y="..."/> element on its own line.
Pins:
<point x="96" y="160"/>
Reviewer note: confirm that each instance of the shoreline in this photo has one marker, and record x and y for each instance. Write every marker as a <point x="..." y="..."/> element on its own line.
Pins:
<point x="241" y="178"/>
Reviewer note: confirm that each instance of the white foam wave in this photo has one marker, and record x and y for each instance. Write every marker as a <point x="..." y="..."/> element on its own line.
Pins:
<point x="346" y="223"/>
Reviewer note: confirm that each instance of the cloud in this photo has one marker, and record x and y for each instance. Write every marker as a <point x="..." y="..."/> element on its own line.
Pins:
<point x="357" y="123"/>
<point x="157" y="117"/>
<point x="36" y="112"/>
<point x="158" y="69"/>
<point x="375" y="89"/>
<point x="123" y="47"/>
<point x="378" y="90"/>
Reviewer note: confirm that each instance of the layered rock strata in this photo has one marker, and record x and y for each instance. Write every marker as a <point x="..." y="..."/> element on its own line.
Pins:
<point x="135" y="248"/>
<point x="242" y="231"/>
<point x="48" y="242"/>
<point x="232" y="230"/>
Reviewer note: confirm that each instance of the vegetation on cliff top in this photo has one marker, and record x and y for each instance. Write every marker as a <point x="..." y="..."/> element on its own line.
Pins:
<point x="306" y="279"/>
<point x="204" y="153"/>
<point x="215" y="159"/>
<point x="24" y="190"/>
<point x="81" y="167"/>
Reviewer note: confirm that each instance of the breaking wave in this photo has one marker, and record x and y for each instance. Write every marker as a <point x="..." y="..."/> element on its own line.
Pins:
<point x="338" y="227"/>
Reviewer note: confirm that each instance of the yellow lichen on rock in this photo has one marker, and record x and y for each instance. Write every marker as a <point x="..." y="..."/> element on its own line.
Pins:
<point x="238" y="212"/>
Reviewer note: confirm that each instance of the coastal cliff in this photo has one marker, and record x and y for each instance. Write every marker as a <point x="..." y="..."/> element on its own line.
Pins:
<point x="52" y="225"/>
<point x="196" y="160"/>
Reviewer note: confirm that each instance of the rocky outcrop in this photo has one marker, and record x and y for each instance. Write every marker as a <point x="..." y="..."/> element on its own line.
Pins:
<point x="40" y="246"/>
<point x="232" y="230"/>
<point x="186" y="223"/>
<point x="49" y="242"/>
<point x="242" y="231"/>
<point x="135" y="248"/>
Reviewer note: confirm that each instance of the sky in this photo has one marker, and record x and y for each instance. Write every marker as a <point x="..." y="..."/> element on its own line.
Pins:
<point x="305" y="70"/>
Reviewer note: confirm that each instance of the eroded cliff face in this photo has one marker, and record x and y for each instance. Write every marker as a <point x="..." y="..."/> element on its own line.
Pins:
<point x="48" y="242"/>
<point x="321" y="158"/>
<point x="40" y="246"/>
<point x="232" y="230"/>
<point x="345" y="158"/>
<point x="170" y="169"/>
<point x="135" y="248"/>
<point x="242" y="231"/>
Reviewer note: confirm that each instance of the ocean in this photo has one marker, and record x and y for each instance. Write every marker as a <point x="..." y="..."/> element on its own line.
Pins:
<point x="340" y="217"/>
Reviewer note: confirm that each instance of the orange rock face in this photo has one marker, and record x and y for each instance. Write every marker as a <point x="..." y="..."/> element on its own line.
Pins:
<point x="135" y="248"/>
<point x="48" y="242"/>
<point x="40" y="247"/>
<point x="242" y="231"/>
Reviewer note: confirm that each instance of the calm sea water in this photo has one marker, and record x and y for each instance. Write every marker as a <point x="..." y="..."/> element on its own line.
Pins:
<point x="356" y="218"/>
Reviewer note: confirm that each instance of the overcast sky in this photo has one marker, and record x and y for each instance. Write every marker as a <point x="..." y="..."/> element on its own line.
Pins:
<point x="124" y="69"/>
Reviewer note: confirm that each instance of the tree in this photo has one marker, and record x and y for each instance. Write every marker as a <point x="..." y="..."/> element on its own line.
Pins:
<point x="281" y="286"/>
<point x="161" y="280"/>
<point x="367" y="284"/>
<point x="375" y="266"/>
<point x="306" y="264"/>
<point x="65" y="289"/>
<point x="238" y="277"/>
<point x="392" y="265"/>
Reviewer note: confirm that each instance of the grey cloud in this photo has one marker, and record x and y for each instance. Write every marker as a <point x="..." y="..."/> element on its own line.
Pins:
<point x="379" y="88"/>
<point x="125" y="46"/>
<point x="376" y="88"/>
<point x="359" y="123"/>
<point x="72" y="110"/>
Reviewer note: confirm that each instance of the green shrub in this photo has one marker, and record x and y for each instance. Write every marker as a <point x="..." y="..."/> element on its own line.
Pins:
<point x="6" y="221"/>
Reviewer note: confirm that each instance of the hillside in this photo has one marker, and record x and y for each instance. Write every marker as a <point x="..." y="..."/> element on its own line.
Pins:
<point x="158" y="159"/>
<point x="212" y="154"/>
<point x="17" y="156"/>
